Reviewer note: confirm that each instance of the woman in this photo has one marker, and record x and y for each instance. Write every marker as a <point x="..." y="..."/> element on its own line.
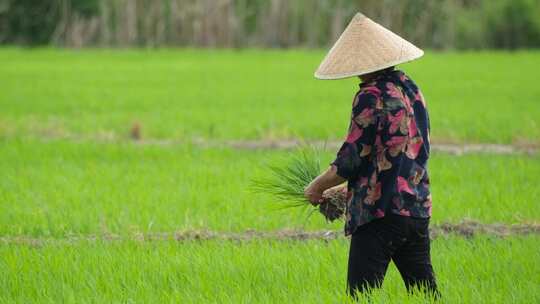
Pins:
<point x="383" y="159"/>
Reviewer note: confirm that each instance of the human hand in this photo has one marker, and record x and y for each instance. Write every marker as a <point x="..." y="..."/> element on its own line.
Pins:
<point x="313" y="193"/>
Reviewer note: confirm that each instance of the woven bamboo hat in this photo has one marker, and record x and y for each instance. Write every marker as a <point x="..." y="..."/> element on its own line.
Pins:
<point x="364" y="47"/>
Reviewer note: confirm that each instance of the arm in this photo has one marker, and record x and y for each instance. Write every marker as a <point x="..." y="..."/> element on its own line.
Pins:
<point x="352" y="155"/>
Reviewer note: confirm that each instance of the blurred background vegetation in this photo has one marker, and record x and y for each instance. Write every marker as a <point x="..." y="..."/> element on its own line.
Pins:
<point x="436" y="24"/>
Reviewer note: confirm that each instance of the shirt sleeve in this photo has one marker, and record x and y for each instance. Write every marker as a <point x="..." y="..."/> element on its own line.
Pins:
<point x="357" y="147"/>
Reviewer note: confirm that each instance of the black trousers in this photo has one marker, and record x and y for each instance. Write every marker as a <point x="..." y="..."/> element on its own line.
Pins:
<point x="404" y="240"/>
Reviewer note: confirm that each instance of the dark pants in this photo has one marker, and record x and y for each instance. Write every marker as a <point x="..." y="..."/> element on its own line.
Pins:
<point x="405" y="240"/>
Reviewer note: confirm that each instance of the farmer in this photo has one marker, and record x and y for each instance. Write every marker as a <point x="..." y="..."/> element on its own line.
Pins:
<point x="383" y="159"/>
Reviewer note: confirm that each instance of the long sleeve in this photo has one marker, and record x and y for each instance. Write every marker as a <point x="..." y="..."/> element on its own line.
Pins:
<point x="357" y="147"/>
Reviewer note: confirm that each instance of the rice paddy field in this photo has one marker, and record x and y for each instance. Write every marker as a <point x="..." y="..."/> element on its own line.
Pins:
<point x="107" y="156"/>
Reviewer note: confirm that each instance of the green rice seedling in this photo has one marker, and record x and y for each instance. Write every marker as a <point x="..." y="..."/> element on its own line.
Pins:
<point x="288" y="179"/>
<point x="481" y="269"/>
<point x="58" y="188"/>
<point x="99" y="94"/>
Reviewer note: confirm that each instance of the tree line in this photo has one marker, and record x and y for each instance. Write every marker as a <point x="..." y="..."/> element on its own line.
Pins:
<point x="437" y="24"/>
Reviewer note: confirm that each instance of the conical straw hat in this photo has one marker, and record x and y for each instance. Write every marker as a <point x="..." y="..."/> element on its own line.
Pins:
<point x="364" y="47"/>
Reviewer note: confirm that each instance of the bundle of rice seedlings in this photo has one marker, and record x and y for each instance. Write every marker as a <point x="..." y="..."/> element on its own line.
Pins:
<point x="287" y="181"/>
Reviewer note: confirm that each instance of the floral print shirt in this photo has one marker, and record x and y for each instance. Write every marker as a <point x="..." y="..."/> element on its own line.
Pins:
<point x="384" y="157"/>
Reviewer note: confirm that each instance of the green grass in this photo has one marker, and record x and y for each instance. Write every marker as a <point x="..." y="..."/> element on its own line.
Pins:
<point x="60" y="177"/>
<point x="58" y="188"/>
<point x="480" y="270"/>
<point x="226" y="94"/>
